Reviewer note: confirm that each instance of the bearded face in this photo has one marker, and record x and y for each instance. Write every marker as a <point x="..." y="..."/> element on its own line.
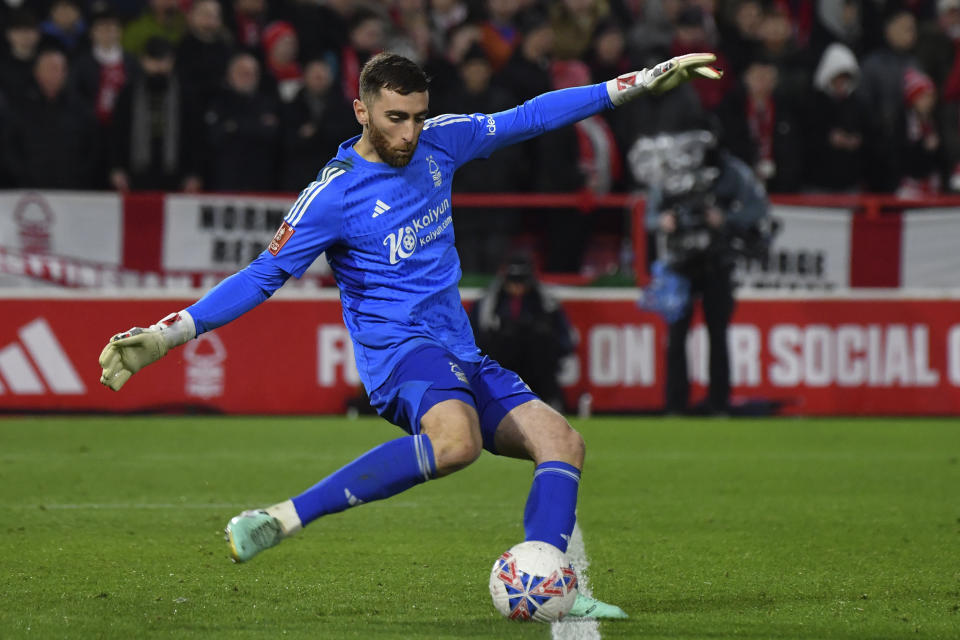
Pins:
<point x="396" y="155"/>
<point x="393" y="124"/>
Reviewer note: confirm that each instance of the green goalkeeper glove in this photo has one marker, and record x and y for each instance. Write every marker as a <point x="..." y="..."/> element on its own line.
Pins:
<point x="128" y="352"/>
<point x="663" y="77"/>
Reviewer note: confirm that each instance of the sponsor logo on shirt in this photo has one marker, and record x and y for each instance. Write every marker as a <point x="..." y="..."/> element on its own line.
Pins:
<point x="402" y="244"/>
<point x="284" y="233"/>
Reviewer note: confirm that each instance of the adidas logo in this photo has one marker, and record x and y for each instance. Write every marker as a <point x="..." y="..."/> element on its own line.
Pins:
<point x="380" y="208"/>
<point x="47" y="363"/>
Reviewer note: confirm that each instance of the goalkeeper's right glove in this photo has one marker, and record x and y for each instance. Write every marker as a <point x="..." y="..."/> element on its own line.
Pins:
<point x="132" y="350"/>
<point x="663" y="77"/>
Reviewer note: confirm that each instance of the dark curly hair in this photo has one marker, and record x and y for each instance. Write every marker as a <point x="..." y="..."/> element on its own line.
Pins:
<point x="393" y="72"/>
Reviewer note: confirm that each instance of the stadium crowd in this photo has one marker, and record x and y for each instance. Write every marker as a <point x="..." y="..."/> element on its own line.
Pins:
<point x="831" y="96"/>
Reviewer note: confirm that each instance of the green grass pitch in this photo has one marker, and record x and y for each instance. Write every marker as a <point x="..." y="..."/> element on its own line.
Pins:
<point x="819" y="529"/>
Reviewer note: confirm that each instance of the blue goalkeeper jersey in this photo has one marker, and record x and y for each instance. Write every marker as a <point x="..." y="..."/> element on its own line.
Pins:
<point x="388" y="234"/>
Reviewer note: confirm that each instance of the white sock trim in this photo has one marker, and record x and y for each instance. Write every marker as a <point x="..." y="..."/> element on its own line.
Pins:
<point x="286" y="513"/>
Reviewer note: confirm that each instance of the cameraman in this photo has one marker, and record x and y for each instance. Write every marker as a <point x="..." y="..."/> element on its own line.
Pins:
<point x="702" y="222"/>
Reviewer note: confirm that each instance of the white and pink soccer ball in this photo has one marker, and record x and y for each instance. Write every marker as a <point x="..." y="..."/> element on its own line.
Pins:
<point x="533" y="581"/>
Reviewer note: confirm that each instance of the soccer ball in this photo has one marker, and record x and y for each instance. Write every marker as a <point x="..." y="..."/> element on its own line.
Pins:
<point x="533" y="581"/>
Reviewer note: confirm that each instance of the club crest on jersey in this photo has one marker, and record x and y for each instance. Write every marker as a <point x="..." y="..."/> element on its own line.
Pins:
<point x="284" y="233"/>
<point x="434" y="169"/>
<point x="402" y="244"/>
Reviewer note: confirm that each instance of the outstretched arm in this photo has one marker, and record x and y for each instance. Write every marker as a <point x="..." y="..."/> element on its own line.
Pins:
<point x="480" y="135"/>
<point x="130" y="351"/>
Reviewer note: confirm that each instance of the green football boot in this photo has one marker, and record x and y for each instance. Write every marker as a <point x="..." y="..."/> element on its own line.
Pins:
<point x="251" y="532"/>
<point x="587" y="607"/>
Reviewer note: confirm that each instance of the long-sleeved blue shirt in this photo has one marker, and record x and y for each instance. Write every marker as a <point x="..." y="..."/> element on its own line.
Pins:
<point x="388" y="235"/>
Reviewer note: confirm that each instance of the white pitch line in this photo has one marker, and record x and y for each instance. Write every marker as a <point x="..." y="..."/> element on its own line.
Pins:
<point x="586" y="629"/>
<point x="126" y="506"/>
<point x="141" y="506"/>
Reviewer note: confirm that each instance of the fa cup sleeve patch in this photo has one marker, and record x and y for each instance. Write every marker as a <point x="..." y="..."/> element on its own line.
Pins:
<point x="284" y="233"/>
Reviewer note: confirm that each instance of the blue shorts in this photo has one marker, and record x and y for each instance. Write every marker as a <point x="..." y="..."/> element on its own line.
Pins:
<point x="430" y="374"/>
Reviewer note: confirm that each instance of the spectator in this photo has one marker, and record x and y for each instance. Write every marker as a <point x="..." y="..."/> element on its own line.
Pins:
<point x="161" y="18"/>
<point x="444" y="70"/>
<point x="778" y="45"/>
<point x="322" y="28"/>
<point x="520" y="325"/>
<point x="574" y="23"/>
<point x="247" y="22"/>
<point x="368" y="31"/>
<point x="498" y="33"/>
<point x="413" y="41"/>
<point x="607" y="55"/>
<point x="581" y="157"/>
<point x="528" y="72"/>
<point x="280" y="47"/>
<point x="203" y="53"/>
<point x="484" y="235"/>
<point x="52" y="132"/>
<point x="938" y="54"/>
<point x="835" y="125"/>
<point x="65" y="28"/>
<point x="242" y="132"/>
<point x="445" y="16"/>
<point x="100" y="74"/>
<point x="760" y="127"/>
<point x="654" y="32"/>
<point x="691" y="37"/>
<point x="316" y="122"/>
<point x="937" y="40"/>
<point x="922" y="152"/>
<point x="155" y="132"/>
<point x="16" y="67"/>
<point x="882" y="85"/>
<point x="740" y="33"/>
<point x="837" y="21"/>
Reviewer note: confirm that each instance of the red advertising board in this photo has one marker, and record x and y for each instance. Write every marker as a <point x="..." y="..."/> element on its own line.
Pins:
<point x="813" y="356"/>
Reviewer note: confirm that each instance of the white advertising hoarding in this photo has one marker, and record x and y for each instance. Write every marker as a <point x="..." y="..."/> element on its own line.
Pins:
<point x="221" y="233"/>
<point x="68" y="224"/>
<point x="811" y="251"/>
<point x="929" y="248"/>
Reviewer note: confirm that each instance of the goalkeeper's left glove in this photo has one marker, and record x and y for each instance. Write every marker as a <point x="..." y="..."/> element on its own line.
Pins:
<point x="663" y="77"/>
<point x="132" y="350"/>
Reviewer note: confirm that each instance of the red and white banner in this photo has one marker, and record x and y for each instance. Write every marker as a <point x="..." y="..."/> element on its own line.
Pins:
<point x="812" y="356"/>
<point x="167" y="240"/>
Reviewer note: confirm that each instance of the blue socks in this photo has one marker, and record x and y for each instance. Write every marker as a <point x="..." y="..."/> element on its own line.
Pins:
<point x="387" y="470"/>
<point x="552" y="504"/>
<point x="400" y="464"/>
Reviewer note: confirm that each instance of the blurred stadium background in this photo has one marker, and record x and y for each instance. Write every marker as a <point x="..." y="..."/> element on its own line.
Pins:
<point x="151" y="148"/>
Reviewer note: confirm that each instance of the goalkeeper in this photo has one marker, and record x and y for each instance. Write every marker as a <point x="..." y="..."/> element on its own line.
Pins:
<point x="380" y="210"/>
